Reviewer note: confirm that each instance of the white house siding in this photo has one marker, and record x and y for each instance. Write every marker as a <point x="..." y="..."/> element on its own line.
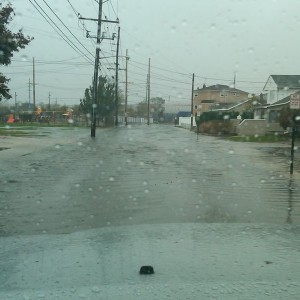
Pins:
<point x="274" y="94"/>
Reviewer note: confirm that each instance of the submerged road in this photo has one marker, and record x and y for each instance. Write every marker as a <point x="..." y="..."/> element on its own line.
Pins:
<point x="66" y="181"/>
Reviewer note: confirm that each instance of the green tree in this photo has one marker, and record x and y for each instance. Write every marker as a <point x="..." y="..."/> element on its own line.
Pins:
<point x="9" y="43"/>
<point x="87" y="101"/>
<point x="105" y="102"/>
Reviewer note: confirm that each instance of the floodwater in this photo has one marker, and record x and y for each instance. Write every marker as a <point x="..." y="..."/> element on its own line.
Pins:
<point x="80" y="216"/>
<point x="64" y="181"/>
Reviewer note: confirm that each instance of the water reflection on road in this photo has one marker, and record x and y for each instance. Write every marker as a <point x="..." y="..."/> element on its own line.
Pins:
<point x="141" y="175"/>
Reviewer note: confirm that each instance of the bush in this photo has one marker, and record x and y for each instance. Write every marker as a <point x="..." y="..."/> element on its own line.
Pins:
<point x="216" y="116"/>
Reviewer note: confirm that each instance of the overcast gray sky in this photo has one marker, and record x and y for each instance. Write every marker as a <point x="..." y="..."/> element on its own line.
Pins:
<point x="211" y="38"/>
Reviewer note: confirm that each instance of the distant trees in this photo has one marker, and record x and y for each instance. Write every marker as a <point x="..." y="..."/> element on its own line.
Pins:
<point x="9" y="43"/>
<point x="157" y="109"/>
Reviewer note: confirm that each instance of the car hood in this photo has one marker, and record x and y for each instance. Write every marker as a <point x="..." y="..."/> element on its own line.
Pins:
<point x="190" y="261"/>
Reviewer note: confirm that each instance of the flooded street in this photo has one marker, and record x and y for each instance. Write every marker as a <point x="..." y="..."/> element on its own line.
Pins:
<point x="65" y="181"/>
<point x="80" y="216"/>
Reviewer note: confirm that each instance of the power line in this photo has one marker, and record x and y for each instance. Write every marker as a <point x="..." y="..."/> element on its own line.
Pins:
<point x="171" y="71"/>
<point x="67" y="27"/>
<point x="62" y="34"/>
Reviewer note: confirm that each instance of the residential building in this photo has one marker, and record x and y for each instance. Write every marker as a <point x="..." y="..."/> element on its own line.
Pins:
<point x="206" y="98"/>
<point x="271" y="112"/>
<point x="279" y="87"/>
<point x="247" y="105"/>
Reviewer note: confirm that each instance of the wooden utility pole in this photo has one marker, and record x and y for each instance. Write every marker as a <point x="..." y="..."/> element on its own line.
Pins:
<point x="96" y="67"/>
<point x="15" y="105"/>
<point x="148" y="94"/>
<point x="29" y="95"/>
<point x="192" y="101"/>
<point x="97" y="58"/>
<point x="126" y="87"/>
<point x="33" y="83"/>
<point x="117" y="80"/>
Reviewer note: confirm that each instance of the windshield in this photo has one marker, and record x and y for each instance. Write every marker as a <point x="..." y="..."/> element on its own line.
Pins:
<point x="153" y="135"/>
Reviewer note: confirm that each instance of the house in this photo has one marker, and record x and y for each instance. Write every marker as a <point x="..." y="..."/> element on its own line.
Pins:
<point x="210" y="96"/>
<point x="279" y="87"/>
<point x="246" y="105"/>
<point x="271" y="112"/>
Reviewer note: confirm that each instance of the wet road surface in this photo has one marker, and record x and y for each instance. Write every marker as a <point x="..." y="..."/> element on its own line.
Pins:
<point x="141" y="175"/>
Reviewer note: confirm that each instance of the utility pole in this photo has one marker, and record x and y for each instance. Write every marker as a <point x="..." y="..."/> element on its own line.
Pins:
<point x="192" y="101"/>
<point x="15" y="105"/>
<point x="96" y="67"/>
<point x="148" y="94"/>
<point x="117" y="80"/>
<point x="97" y="58"/>
<point x="29" y="89"/>
<point x="33" y="83"/>
<point x="126" y="87"/>
<point x="234" y="80"/>
<point x="49" y="101"/>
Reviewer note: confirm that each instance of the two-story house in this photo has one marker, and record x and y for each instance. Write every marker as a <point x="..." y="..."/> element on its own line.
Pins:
<point x="209" y="96"/>
<point x="279" y="87"/>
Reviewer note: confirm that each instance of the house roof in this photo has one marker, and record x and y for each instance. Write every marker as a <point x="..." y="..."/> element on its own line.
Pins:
<point x="220" y="87"/>
<point x="222" y="106"/>
<point x="208" y="101"/>
<point x="283" y="101"/>
<point x="229" y="106"/>
<point x="287" y="81"/>
<point x="183" y="114"/>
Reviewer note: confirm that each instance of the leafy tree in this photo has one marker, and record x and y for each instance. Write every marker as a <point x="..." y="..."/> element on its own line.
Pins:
<point x="9" y="43"/>
<point x="105" y="102"/>
<point x="87" y="101"/>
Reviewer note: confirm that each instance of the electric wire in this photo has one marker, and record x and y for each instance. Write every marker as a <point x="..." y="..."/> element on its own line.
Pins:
<point x="62" y="34"/>
<point x="67" y="27"/>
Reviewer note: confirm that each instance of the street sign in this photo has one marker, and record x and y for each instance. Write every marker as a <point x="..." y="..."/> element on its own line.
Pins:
<point x="295" y="101"/>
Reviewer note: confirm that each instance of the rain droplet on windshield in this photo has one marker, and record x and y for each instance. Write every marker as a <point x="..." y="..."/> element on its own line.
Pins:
<point x="24" y="57"/>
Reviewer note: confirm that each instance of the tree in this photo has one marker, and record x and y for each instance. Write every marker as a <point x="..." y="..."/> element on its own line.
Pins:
<point x="142" y="109"/>
<point x="9" y="43"/>
<point x="87" y="101"/>
<point x="157" y="108"/>
<point x="286" y="115"/>
<point x="105" y="102"/>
